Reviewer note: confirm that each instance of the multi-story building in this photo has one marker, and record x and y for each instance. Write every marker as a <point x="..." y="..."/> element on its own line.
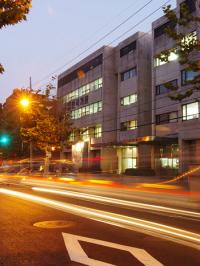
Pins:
<point x="133" y="68"/>
<point x="177" y="127"/>
<point x="88" y="92"/>
<point x="108" y="95"/>
<point x="118" y="100"/>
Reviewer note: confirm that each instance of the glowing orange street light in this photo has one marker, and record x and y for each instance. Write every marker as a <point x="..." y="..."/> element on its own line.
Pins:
<point x="25" y="102"/>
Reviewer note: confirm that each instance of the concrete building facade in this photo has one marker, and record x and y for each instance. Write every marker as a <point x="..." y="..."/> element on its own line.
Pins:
<point x="121" y="112"/>
<point x="176" y="124"/>
<point x="115" y="82"/>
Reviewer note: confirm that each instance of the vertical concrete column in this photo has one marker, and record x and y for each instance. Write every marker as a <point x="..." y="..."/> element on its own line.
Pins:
<point x="145" y="156"/>
<point x="109" y="162"/>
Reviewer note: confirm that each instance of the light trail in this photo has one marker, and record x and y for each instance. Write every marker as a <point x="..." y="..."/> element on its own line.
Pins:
<point x="151" y="228"/>
<point x="119" y="202"/>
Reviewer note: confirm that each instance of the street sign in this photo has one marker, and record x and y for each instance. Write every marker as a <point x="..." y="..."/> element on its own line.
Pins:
<point x="77" y="254"/>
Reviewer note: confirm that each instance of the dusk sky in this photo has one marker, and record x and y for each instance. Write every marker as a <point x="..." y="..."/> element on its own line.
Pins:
<point x="56" y="31"/>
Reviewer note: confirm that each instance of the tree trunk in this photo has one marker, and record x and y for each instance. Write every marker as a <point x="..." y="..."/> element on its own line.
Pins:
<point x="46" y="162"/>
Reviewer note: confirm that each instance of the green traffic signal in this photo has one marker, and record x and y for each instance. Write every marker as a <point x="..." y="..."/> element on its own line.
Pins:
<point x="4" y="140"/>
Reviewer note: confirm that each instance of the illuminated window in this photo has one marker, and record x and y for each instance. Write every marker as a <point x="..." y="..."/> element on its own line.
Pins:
<point x="128" y="125"/>
<point x="72" y="136"/>
<point x="172" y="163"/>
<point x="84" y="133"/>
<point x="85" y="89"/>
<point x="97" y="131"/>
<point x="190" y="111"/>
<point x="86" y="110"/>
<point x="172" y="57"/>
<point x="129" y="158"/>
<point x="129" y="99"/>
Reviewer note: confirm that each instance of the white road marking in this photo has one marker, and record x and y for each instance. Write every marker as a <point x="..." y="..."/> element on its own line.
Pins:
<point x="77" y="254"/>
<point x="151" y="228"/>
<point x="120" y="202"/>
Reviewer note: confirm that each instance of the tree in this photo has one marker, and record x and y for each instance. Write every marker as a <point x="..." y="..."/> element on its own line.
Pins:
<point x="187" y="47"/>
<point x="12" y="12"/>
<point x="43" y="127"/>
<point x="10" y="120"/>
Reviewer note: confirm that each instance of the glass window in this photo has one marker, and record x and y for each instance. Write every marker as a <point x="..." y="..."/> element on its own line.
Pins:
<point x="161" y="29"/>
<point x="87" y="110"/>
<point x="94" y="85"/>
<point x="167" y="118"/>
<point x="132" y="124"/>
<point x="100" y="107"/>
<point x="172" y="163"/>
<point x="172" y="57"/>
<point x="91" y="109"/>
<point x="133" y="98"/>
<point x="96" y="107"/>
<point x="162" y="88"/>
<point x="100" y="82"/>
<point x="190" y="111"/>
<point x="129" y="99"/>
<point x="128" y="125"/>
<point x="127" y="49"/>
<point x="97" y="131"/>
<point x="187" y="76"/>
<point x="173" y="117"/>
<point x="128" y="74"/>
<point x="129" y="158"/>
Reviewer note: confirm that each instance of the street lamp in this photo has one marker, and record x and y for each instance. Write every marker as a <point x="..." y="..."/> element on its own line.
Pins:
<point x="25" y="102"/>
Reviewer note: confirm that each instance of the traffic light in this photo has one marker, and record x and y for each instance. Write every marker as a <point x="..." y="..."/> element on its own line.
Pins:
<point x="4" y="140"/>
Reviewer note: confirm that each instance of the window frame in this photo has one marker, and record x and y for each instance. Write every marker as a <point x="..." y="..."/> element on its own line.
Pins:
<point x="185" y="117"/>
<point x="160" y="121"/>
<point x="184" y="81"/>
<point x="131" y="73"/>
<point x="158" y="87"/>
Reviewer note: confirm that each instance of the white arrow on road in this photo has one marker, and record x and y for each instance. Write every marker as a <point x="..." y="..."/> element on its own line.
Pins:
<point x="77" y="254"/>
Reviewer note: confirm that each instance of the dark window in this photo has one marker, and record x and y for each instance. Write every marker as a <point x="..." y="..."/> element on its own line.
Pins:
<point x="190" y="4"/>
<point x="69" y="107"/>
<point x="82" y="100"/>
<point x="73" y="104"/>
<point x="187" y="76"/>
<point x="77" y="102"/>
<point x="85" y="68"/>
<point x="166" y="118"/>
<point x="162" y="88"/>
<point x="128" y="74"/>
<point x="86" y="99"/>
<point x="127" y="49"/>
<point x="161" y="29"/>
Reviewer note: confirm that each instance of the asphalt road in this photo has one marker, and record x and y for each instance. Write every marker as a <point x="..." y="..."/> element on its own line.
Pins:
<point x="123" y="229"/>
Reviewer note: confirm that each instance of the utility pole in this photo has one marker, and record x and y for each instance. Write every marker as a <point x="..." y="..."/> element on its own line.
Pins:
<point x="31" y="143"/>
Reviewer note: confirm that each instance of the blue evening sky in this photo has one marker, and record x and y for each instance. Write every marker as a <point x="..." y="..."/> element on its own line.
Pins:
<point x="56" y="31"/>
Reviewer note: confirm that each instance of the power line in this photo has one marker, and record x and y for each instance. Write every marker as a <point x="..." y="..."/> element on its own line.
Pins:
<point x="120" y="35"/>
<point x="112" y="32"/>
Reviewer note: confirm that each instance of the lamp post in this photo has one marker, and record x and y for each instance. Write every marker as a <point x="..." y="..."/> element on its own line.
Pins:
<point x="25" y="104"/>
